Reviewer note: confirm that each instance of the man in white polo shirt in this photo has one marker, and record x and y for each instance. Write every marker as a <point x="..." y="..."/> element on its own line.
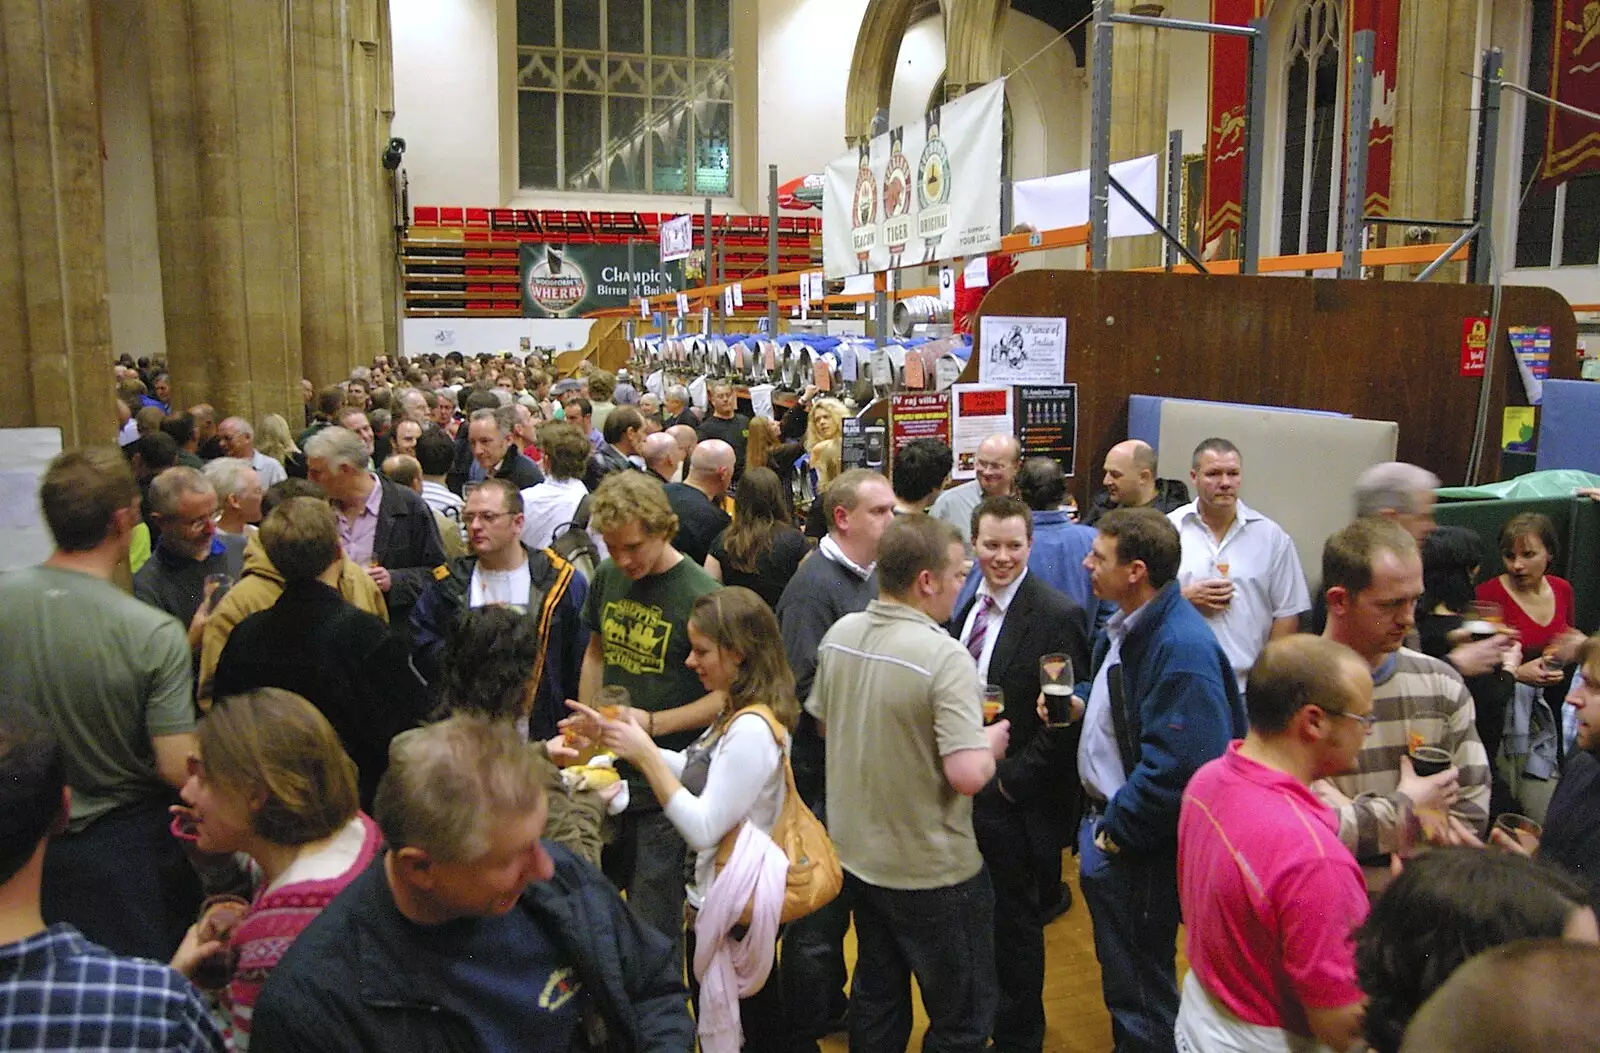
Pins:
<point x="1239" y="569"/>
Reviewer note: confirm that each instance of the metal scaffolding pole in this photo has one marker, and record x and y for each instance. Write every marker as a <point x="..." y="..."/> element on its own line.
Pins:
<point x="1174" y="192"/>
<point x="1479" y="262"/>
<point x="772" y="249"/>
<point x="1255" y="144"/>
<point x="1100" y="135"/>
<point x="1357" y="136"/>
<point x="705" y="270"/>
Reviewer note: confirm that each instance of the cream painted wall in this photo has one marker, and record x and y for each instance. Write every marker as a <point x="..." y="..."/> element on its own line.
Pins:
<point x="1190" y="55"/>
<point x="133" y="256"/>
<point x="446" y="99"/>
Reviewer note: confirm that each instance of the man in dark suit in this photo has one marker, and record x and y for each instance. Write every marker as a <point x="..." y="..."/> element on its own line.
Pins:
<point x="1008" y="622"/>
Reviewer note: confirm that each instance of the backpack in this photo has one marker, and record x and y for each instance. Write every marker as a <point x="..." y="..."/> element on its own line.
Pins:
<point x="573" y="543"/>
<point x="815" y="876"/>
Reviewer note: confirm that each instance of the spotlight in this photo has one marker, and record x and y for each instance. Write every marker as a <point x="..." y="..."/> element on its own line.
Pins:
<point x="392" y="154"/>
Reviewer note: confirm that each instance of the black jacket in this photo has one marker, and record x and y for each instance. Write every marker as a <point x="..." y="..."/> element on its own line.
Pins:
<point x="357" y="980"/>
<point x="561" y="592"/>
<point x="1039" y="773"/>
<point x="1171" y="495"/>
<point x="407" y="545"/>
<point x="699" y="521"/>
<point x="346" y="662"/>
<point x="603" y="462"/>
<point x="518" y="470"/>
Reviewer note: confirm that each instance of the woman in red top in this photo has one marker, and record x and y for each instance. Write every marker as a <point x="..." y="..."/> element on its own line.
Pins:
<point x="1536" y="604"/>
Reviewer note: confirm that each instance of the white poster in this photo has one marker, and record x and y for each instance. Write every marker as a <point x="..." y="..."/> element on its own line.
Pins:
<point x="919" y="193"/>
<point x="677" y="238"/>
<point x="977" y="411"/>
<point x="1063" y="200"/>
<point x="1022" y="350"/>
<point x="25" y="453"/>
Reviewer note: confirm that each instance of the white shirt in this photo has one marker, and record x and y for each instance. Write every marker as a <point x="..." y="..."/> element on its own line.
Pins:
<point x="1099" y="759"/>
<point x="997" y="616"/>
<point x="505" y="587"/>
<point x="1268" y="582"/>
<point x="548" y="507"/>
<point x="830" y="549"/>
<point x="268" y="468"/>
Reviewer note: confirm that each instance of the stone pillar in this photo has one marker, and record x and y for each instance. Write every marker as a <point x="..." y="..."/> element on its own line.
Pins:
<point x="972" y="44"/>
<point x="56" y="347"/>
<point x="1436" y="106"/>
<point x="1139" y="75"/>
<point x="222" y="130"/>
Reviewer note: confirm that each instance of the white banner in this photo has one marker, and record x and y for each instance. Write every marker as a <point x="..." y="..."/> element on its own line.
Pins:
<point x="1063" y="200"/>
<point x="922" y="192"/>
<point x="677" y="238"/>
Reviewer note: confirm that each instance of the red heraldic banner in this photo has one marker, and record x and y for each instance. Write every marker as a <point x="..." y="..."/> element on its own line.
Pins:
<point x="1572" y="143"/>
<point x="1383" y="16"/>
<point x="1229" y="96"/>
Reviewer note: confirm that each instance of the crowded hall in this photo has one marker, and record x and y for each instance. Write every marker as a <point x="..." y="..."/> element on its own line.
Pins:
<point x="689" y="526"/>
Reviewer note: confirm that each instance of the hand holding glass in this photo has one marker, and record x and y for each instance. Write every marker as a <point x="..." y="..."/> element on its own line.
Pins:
<point x="1056" y="681"/>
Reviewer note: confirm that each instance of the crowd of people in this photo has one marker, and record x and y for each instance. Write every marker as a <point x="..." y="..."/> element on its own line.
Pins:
<point x="483" y="711"/>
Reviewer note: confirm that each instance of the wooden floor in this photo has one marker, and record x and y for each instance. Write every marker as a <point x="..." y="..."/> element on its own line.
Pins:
<point x="1076" y="1020"/>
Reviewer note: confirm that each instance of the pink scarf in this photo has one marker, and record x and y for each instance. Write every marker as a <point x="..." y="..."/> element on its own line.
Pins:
<point x="757" y="874"/>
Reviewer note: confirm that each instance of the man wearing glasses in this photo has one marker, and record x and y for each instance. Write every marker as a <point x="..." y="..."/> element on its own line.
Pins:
<point x="1269" y="894"/>
<point x="1372" y="577"/>
<point x="501" y="570"/>
<point x="999" y="457"/>
<point x="184" y="505"/>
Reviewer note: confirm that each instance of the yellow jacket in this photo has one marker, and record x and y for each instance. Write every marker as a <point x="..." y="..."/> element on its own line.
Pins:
<point x="258" y="589"/>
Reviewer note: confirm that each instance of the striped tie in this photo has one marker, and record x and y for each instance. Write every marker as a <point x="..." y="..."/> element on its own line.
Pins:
<point x="980" y="628"/>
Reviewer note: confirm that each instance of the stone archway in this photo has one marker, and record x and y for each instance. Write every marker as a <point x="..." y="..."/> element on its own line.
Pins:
<point x="972" y="55"/>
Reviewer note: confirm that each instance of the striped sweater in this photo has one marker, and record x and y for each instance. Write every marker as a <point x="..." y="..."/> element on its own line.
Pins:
<point x="1404" y="688"/>
<point x="276" y="917"/>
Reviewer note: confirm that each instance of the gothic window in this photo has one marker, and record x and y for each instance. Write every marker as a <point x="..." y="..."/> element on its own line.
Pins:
<point x="625" y="96"/>
<point x="1557" y="226"/>
<point x="1313" y="122"/>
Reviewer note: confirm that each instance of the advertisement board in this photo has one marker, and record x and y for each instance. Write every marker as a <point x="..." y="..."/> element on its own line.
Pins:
<point x="566" y="281"/>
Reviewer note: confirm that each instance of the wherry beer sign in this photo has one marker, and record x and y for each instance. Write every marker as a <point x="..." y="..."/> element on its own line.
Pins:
<point x="567" y="281"/>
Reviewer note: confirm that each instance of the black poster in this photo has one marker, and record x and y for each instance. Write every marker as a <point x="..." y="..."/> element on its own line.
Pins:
<point x="1047" y="423"/>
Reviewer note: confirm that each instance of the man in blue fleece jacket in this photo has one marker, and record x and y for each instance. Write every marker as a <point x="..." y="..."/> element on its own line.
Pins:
<point x="1162" y="701"/>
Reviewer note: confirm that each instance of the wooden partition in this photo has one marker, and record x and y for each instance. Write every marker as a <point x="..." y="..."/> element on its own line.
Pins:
<point x="1376" y="349"/>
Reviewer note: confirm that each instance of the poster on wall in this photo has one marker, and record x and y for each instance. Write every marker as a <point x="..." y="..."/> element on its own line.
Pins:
<point x="919" y="193"/>
<point x="1047" y="423"/>
<point x="567" y="281"/>
<point x="915" y="416"/>
<point x="677" y="238"/>
<point x="977" y="411"/>
<point x="1022" y="350"/>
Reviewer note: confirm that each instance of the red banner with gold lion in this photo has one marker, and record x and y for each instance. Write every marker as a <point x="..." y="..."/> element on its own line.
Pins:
<point x="1229" y="97"/>
<point x="1572" y="142"/>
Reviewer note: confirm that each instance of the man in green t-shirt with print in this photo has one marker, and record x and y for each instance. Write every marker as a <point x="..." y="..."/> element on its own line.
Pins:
<point x="111" y="675"/>
<point x="638" y="616"/>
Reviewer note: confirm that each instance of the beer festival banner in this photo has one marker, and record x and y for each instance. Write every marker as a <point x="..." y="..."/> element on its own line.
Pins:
<point x="566" y="281"/>
<point x="1383" y="17"/>
<point x="1229" y="94"/>
<point x="1572" y="142"/>
<point x="919" y="193"/>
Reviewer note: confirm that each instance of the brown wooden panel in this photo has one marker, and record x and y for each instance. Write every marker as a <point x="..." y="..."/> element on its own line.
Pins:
<point x="1374" y="349"/>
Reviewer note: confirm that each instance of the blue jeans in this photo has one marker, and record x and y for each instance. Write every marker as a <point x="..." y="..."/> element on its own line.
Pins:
<point x="1134" y="905"/>
<point x="942" y="936"/>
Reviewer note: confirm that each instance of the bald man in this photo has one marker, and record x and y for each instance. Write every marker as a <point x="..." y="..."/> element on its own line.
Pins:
<point x="1130" y="482"/>
<point x="662" y="456"/>
<point x="696" y="499"/>
<point x="687" y="439"/>
<point x="999" y="457"/>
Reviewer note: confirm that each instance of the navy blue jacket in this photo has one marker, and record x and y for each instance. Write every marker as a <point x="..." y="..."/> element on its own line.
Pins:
<point x="1178" y="682"/>
<point x="356" y="980"/>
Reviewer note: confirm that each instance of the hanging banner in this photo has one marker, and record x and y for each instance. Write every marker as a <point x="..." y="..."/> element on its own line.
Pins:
<point x="1229" y="96"/>
<point x="920" y="193"/>
<point x="1383" y="17"/>
<point x="1047" y="423"/>
<point x="565" y="281"/>
<point x="1572" y="142"/>
<point x="677" y="238"/>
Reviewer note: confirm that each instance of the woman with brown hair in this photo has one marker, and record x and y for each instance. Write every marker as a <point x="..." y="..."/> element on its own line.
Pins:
<point x="268" y="778"/>
<point x="733" y="774"/>
<point x="763" y="440"/>
<point x="760" y="550"/>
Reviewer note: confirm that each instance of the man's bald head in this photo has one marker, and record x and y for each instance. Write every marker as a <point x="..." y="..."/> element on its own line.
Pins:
<point x="685" y="437"/>
<point x="711" y="467"/>
<point x="1556" y="1006"/>
<point x="1130" y="474"/>
<point x="661" y="454"/>
<point x="999" y="457"/>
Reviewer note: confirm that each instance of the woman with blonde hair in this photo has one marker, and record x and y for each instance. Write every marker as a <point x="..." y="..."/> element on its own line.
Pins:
<point x="268" y="778"/>
<point x="274" y="440"/>
<point x="824" y="423"/>
<point x="732" y="775"/>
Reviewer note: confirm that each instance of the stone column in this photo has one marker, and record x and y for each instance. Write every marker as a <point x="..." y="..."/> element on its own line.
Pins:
<point x="56" y="347"/>
<point x="1139" y="76"/>
<point x="972" y="44"/>
<point x="220" y="100"/>
<point x="1436" y="106"/>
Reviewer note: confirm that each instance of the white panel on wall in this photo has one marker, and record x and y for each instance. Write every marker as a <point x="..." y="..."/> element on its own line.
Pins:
<point x="446" y="99"/>
<point x="471" y="336"/>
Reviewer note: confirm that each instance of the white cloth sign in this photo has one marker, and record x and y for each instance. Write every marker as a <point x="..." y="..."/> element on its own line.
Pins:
<point x="1063" y="200"/>
<point x="677" y="238"/>
<point x="976" y="275"/>
<point x="922" y="192"/>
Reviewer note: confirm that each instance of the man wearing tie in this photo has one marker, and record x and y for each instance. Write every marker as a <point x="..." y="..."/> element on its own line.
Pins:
<point x="1028" y="808"/>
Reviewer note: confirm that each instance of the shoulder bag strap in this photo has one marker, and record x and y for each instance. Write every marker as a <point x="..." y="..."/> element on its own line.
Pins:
<point x="1125" y="728"/>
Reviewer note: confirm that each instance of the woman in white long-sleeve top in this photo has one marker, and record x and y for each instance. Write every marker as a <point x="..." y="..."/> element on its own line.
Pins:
<point x="732" y="775"/>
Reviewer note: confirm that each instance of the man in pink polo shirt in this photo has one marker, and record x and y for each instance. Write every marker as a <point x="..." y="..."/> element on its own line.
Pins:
<point x="1269" y="893"/>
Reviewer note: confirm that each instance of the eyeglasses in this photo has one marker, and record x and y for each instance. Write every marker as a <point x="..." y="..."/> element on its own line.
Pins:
<point x="189" y="526"/>
<point x="1366" y="720"/>
<point x="488" y="518"/>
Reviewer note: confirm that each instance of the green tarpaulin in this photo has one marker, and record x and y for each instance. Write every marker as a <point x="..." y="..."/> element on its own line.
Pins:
<point x="1559" y="483"/>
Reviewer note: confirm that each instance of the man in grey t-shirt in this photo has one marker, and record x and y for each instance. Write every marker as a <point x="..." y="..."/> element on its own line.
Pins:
<point x="898" y="700"/>
<point x="112" y="676"/>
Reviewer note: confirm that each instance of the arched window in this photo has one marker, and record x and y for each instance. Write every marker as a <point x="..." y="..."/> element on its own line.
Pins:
<point x="1313" y="125"/>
